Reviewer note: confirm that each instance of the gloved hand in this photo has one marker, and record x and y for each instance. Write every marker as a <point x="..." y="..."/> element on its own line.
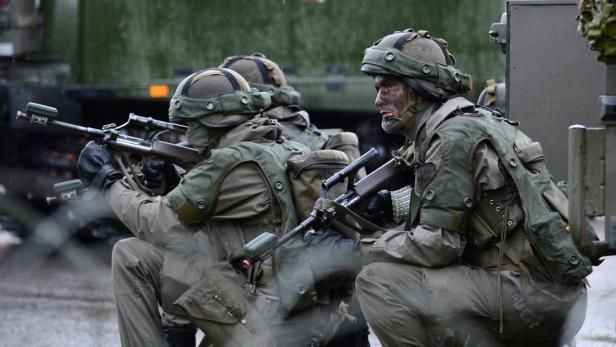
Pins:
<point x="379" y="209"/>
<point x="94" y="167"/>
<point x="332" y="253"/>
<point x="157" y="170"/>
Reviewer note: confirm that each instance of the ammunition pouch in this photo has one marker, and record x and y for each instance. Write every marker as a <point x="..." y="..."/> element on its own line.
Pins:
<point x="449" y="198"/>
<point x="219" y="306"/>
<point x="553" y="244"/>
<point x="217" y="297"/>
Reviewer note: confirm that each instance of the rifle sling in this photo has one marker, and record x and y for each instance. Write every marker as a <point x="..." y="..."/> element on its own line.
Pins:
<point x="368" y="228"/>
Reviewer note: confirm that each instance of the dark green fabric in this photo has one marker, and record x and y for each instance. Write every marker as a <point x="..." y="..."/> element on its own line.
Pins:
<point x="306" y="136"/>
<point x="194" y="199"/>
<point x="239" y="102"/>
<point x="281" y="96"/>
<point x="443" y="76"/>
<point x="451" y="190"/>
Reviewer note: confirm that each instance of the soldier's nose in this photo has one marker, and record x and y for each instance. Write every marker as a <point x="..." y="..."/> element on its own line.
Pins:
<point x="379" y="99"/>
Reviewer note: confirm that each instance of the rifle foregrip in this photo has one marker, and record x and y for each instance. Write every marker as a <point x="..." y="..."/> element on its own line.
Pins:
<point x="260" y="245"/>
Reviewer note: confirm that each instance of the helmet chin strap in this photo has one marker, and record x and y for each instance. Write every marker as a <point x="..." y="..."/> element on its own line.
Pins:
<point x="411" y="116"/>
<point x="415" y="109"/>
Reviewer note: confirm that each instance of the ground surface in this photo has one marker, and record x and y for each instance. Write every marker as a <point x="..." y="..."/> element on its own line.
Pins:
<point x="65" y="300"/>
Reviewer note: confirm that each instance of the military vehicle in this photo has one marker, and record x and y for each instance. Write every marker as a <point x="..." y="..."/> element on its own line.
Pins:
<point x="97" y="61"/>
<point x="554" y="80"/>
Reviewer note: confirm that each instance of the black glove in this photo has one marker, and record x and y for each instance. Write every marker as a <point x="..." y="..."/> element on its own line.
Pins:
<point x="379" y="209"/>
<point x="180" y="335"/>
<point x="332" y="253"/>
<point x="155" y="171"/>
<point x="94" y="167"/>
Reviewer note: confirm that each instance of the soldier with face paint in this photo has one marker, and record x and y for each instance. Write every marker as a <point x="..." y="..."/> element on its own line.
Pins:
<point x="480" y="246"/>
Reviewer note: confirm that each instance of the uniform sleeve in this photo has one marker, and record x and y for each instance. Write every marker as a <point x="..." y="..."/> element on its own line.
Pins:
<point x="148" y="218"/>
<point x="243" y="194"/>
<point x="423" y="245"/>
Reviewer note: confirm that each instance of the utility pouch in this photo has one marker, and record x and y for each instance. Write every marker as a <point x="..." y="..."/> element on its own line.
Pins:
<point x="555" y="247"/>
<point x="544" y="206"/>
<point x="307" y="173"/>
<point x="531" y="155"/>
<point x="217" y="297"/>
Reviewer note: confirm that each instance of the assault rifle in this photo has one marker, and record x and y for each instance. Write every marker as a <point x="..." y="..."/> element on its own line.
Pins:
<point x="263" y="246"/>
<point x="110" y="135"/>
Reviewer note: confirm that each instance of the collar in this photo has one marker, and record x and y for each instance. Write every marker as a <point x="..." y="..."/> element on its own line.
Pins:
<point x="291" y="114"/>
<point x="258" y="128"/>
<point x="445" y="111"/>
<point x="414" y="130"/>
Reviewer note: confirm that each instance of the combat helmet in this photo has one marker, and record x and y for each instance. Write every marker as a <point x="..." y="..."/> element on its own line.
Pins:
<point x="264" y="75"/>
<point x="217" y="98"/>
<point x="423" y="61"/>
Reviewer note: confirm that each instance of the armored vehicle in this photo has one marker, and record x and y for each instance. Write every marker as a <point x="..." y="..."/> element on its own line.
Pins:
<point x="97" y="61"/>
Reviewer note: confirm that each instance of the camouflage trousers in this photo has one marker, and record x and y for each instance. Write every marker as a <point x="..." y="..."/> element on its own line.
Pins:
<point x="404" y="303"/>
<point x="145" y="282"/>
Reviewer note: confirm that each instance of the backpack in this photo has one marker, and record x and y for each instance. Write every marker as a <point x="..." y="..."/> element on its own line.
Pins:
<point x="308" y="171"/>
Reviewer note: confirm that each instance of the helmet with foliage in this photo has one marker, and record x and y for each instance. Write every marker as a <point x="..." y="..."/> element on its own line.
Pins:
<point x="216" y="98"/>
<point x="264" y="75"/>
<point x="423" y="61"/>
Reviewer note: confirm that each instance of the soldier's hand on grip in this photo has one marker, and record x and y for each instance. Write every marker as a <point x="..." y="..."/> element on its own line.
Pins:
<point x="379" y="208"/>
<point x="94" y="167"/>
<point x="158" y="173"/>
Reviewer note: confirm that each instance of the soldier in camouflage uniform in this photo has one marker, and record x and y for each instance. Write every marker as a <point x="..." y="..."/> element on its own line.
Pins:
<point x="476" y="252"/>
<point x="267" y="76"/>
<point x="188" y="243"/>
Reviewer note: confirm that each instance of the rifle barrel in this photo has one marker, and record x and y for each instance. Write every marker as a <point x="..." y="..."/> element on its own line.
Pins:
<point x="86" y="130"/>
<point x="307" y="223"/>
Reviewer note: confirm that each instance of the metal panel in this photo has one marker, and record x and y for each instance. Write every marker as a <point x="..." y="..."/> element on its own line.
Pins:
<point x="594" y="171"/>
<point x="610" y="185"/>
<point x="577" y="164"/>
<point x="553" y="78"/>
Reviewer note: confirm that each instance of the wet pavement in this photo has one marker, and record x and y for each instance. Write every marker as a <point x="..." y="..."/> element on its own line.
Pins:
<point x="599" y="329"/>
<point x="66" y="300"/>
